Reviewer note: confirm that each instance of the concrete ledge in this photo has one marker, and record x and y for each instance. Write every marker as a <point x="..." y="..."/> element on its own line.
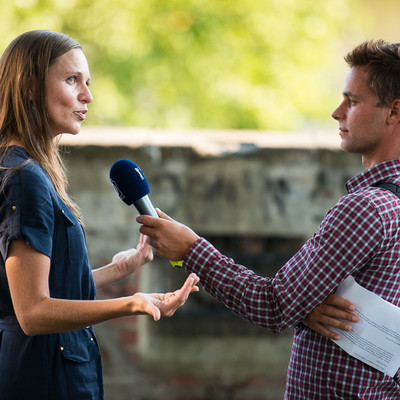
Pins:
<point x="204" y="142"/>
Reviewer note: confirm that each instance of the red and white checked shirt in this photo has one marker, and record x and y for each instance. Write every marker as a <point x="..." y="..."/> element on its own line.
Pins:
<point x="359" y="236"/>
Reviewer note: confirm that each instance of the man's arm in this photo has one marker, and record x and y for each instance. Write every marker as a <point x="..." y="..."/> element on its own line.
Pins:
<point x="347" y="238"/>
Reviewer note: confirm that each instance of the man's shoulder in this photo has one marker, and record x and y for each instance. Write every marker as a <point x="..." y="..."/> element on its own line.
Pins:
<point x="379" y="193"/>
<point x="369" y="202"/>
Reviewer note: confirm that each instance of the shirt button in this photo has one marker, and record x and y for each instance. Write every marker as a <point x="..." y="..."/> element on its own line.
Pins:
<point x="13" y="208"/>
<point x="91" y="339"/>
<point x="62" y="211"/>
<point x="61" y="348"/>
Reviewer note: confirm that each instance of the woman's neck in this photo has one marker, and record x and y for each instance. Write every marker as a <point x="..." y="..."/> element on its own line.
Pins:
<point x="13" y="142"/>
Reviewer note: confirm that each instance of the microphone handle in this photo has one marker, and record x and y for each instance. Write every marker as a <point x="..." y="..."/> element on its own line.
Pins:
<point x="145" y="207"/>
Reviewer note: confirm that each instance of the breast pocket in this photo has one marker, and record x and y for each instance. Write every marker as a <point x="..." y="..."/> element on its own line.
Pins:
<point x="75" y="237"/>
<point x="82" y="361"/>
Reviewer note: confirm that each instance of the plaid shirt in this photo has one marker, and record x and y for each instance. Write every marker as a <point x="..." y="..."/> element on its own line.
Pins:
<point x="359" y="236"/>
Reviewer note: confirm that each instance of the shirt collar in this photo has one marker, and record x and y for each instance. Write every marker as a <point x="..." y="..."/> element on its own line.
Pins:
<point x="388" y="171"/>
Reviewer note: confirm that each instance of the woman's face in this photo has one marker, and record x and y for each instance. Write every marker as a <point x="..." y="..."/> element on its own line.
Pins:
<point x="67" y="92"/>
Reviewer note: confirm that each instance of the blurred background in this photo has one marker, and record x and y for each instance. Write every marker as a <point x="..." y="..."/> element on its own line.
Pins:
<point x="226" y="107"/>
<point x="210" y="64"/>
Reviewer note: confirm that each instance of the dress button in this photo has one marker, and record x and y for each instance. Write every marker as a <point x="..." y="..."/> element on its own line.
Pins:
<point x="61" y="348"/>
<point x="13" y="208"/>
<point x="91" y="339"/>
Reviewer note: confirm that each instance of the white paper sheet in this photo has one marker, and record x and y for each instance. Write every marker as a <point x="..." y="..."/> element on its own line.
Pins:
<point x="375" y="338"/>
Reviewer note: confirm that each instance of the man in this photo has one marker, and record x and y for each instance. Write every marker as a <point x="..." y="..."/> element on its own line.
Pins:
<point x="359" y="236"/>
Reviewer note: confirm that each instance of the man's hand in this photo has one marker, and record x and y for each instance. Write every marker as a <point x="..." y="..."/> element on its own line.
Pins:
<point x="331" y="312"/>
<point x="169" y="238"/>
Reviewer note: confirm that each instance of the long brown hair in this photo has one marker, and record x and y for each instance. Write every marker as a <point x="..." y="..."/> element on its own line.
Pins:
<point x="23" y="114"/>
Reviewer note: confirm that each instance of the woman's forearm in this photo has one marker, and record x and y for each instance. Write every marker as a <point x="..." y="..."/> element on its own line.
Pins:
<point x="123" y="264"/>
<point x="38" y="313"/>
<point x="105" y="275"/>
<point x="57" y="315"/>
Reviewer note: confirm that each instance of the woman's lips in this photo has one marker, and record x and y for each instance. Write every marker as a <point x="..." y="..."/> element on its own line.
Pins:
<point x="81" y="114"/>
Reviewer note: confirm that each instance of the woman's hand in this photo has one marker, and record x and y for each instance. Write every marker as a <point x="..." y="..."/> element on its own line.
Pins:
<point x="331" y="312"/>
<point x="129" y="261"/>
<point x="123" y="264"/>
<point x="164" y="304"/>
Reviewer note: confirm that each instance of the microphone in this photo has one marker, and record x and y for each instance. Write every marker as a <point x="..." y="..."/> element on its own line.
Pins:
<point x="132" y="188"/>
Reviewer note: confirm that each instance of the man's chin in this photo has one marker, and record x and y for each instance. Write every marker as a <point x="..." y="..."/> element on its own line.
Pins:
<point x="348" y="147"/>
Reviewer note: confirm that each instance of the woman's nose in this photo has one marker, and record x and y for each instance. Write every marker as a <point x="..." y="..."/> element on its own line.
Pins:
<point x="86" y="95"/>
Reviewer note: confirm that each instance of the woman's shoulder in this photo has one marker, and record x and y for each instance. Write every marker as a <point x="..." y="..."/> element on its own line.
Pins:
<point x="12" y="156"/>
<point x="23" y="179"/>
<point x="16" y="161"/>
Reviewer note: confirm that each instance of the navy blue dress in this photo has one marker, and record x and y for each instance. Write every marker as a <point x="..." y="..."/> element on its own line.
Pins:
<point x="64" y="366"/>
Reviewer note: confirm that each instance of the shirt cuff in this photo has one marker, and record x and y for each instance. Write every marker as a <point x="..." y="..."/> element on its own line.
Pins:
<point x="199" y="255"/>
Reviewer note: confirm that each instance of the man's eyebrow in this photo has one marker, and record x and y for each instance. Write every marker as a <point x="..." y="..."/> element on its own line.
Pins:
<point x="349" y="94"/>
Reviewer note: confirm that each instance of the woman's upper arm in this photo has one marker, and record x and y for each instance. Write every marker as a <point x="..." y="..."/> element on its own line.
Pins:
<point x="28" y="274"/>
<point x="26" y="211"/>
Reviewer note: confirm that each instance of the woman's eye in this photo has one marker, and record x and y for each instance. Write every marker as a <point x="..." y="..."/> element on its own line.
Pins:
<point x="71" y="79"/>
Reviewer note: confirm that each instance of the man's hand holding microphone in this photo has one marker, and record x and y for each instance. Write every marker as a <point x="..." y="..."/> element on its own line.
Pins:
<point x="169" y="238"/>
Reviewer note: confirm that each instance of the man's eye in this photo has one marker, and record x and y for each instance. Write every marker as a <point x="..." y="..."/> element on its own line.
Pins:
<point x="71" y="79"/>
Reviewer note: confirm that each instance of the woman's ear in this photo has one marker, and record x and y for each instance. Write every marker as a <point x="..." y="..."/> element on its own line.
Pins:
<point x="32" y="89"/>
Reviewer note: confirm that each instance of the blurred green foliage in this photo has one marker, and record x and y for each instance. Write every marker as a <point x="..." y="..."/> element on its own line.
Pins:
<point x="247" y="64"/>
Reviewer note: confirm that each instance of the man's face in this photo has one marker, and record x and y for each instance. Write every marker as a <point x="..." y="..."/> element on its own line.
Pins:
<point x="361" y="122"/>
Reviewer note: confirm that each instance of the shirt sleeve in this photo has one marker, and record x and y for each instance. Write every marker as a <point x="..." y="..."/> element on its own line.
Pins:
<point x="347" y="238"/>
<point x="26" y="210"/>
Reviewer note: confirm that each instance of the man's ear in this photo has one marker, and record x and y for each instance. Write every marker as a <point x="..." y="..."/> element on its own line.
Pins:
<point x="394" y="115"/>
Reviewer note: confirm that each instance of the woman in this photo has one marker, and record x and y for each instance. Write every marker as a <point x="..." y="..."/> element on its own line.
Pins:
<point x="48" y="349"/>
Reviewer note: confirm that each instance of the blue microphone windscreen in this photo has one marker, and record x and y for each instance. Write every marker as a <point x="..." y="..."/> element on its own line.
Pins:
<point x="128" y="181"/>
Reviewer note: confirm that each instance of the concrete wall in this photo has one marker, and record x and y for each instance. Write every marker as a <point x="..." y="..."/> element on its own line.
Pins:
<point x="248" y="184"/>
